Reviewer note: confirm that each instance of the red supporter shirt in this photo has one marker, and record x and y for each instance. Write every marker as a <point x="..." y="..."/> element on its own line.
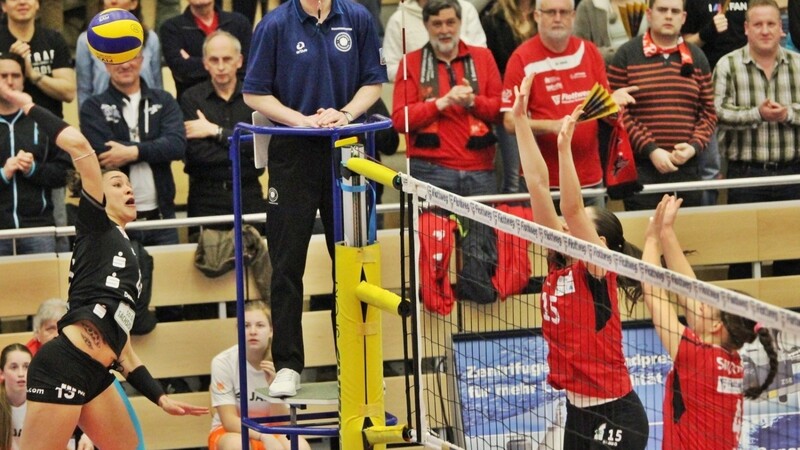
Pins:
<point x="454" y="126"/>
<point x="562" y="81"/>
<point x="584" y="334"/>
<point x="703" y="398"/>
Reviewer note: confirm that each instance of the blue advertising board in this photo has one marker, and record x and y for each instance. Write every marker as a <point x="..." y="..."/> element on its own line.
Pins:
<point x="507" y="404"/>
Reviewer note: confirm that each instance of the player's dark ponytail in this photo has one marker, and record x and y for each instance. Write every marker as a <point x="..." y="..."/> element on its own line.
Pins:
<point x="608" y="226"/>
<point x="742" y="330"/>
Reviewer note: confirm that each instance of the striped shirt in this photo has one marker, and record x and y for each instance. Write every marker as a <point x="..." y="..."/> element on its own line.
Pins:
<point x="670" y="108"/>
<point x="740" y="86"/>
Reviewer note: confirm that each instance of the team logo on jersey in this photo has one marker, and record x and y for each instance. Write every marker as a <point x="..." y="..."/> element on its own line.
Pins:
<point x="300" y="47"/>
<point x="726" y="385"/>
<point x="556" y="99"/>
<point x="272" y="196"/>
<point x="343" y="42"/>
<point x="565" y="285"/>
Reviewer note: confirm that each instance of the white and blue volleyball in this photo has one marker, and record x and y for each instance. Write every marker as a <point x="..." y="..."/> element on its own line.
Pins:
<point x="115" y="36"/>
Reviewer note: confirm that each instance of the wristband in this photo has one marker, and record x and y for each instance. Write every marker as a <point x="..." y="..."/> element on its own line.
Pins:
<point x="141" y="379"/>
<point x="51" y="124"/>
<point x="85" y="155"/>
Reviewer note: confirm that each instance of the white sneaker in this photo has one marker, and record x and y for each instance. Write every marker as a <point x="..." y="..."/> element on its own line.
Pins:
<point x="285" y="384"/>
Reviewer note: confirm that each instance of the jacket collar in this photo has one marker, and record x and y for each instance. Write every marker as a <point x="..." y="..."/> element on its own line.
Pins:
<point x="119" y="95"/>
<point x="302" y="16"/>
<point x="222" y="16"/>
<point x="207" y="90"/>
<point x="602" y="4"/>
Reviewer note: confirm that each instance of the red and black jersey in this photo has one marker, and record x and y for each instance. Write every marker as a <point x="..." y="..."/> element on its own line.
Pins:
<point x="561" y="82"/>
<point x="703" y="398"/>
<point x="582" y="326"/>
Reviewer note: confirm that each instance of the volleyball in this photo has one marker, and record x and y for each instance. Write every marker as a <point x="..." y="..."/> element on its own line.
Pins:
<point x="115" y="36"/>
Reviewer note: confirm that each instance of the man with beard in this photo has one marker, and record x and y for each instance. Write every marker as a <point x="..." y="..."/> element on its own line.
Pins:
<point x="453" y="98"/>
<point x="566" y="69"/>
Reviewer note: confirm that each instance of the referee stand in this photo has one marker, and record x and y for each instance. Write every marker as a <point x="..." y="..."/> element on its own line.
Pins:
<point x="361" y="421"/>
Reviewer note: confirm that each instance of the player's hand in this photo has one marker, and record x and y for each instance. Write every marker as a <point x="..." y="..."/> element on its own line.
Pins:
<point x="662" y="161"/>
<point x="670" y="213"/>
<point x="17" y="98"/>
<point x="117" y="155"/>
<point x="200" y="128"/>
<point x="522" y="95"/>
<point x="268" y="367"/>
<point x="178" y="408"/>
<point x="623" y="97"/>
<point x="682" y="153"/>
<point x="654" y="225"/>
<point x="720" y="22"/>
<point x="568" y="128"/>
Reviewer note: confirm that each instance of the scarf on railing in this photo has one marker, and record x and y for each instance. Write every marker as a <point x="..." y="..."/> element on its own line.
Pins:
<point x="480" y="136"/>
<point x="651" y="49"/>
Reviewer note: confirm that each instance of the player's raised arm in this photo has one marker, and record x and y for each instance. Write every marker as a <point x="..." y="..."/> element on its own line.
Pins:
<point x="537" y="178"/>
<point x="665" y="317"/>
<point x="65" y="136"/>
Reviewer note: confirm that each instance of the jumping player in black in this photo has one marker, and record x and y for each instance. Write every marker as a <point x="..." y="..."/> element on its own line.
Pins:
<point x="69" y="382"/>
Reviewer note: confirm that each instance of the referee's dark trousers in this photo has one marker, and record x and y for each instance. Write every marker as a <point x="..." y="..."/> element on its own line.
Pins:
<point x="299" y="184"/>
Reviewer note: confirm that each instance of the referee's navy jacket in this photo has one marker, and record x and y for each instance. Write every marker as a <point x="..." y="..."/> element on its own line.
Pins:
<point x="162" y="136"/>
<point x="25" y="200"/>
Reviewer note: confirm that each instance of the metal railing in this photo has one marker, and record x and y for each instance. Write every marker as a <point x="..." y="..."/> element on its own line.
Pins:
<point x="395" y="207"/>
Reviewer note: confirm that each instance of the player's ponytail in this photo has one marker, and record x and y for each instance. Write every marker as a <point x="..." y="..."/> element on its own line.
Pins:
<point x="742" y="330"/>
<point x="609" y="227"/>
<point x="765" y="337"/>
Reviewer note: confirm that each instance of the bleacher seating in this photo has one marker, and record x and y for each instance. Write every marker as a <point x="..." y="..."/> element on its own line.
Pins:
<point x="717" y="235"/>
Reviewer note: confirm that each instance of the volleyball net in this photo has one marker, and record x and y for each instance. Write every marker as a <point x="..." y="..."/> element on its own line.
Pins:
<point x="483" y="379"/>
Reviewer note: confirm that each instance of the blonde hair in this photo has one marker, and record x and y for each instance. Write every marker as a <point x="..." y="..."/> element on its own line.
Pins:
<point x="522" y="26"/>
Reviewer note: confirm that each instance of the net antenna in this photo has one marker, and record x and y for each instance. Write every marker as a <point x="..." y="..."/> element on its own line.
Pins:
<point x="402" y="7"/>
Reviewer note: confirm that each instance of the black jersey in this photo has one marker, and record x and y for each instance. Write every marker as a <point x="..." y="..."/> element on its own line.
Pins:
<point x="105" y="281"/>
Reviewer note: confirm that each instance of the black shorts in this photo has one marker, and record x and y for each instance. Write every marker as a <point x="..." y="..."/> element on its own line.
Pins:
<point x="617" y="425"/>
<point x="63" y="374"/>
